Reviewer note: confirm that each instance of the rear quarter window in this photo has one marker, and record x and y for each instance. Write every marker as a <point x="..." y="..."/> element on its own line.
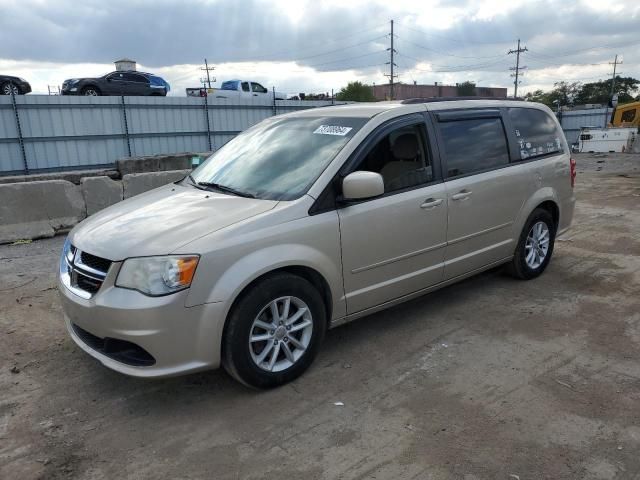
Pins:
<point x="536" y="132"/>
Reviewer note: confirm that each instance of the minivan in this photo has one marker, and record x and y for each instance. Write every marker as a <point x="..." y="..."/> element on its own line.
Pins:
<point x="309" y="220"/>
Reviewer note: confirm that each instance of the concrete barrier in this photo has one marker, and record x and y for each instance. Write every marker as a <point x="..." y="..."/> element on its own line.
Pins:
<point x="137" y="183"/>
<point x="38" y="209"/>
<point x="157" y="163"/>
<point x="100" y="192"/>
<point x="31" y="210"/>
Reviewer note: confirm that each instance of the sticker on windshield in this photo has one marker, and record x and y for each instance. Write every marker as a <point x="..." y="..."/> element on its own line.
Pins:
<point x="332" y="130"/>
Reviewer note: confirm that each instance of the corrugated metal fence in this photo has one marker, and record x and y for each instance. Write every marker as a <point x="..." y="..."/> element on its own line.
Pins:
<point x="573" y="120"/>
<point x="41" y="133"/>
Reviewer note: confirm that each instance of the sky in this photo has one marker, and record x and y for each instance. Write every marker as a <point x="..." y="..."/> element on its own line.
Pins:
<point x="317" y="46"/>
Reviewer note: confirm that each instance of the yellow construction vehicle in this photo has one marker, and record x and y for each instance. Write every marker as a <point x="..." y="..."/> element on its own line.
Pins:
<point x="627" y="115"/>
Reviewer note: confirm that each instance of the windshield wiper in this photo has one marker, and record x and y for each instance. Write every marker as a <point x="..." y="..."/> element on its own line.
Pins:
<point x="224" y="188"/>
<point x="194" y="183"/>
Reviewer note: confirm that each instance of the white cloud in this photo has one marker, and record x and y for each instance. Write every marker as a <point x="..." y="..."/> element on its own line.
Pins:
<point x="314" y="46"/>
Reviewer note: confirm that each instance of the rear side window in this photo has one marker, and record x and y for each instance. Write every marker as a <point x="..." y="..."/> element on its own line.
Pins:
<point x="473" y="145"/>
<point x="536" y="132"/>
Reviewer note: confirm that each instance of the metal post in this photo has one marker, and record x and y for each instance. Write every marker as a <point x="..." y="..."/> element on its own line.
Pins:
<point x="206" y="114"/>
<point x="126" y="124"/>
<point x="273" y="92"/>
<point x="19" y="128"/>
<point x="332" y="98"/>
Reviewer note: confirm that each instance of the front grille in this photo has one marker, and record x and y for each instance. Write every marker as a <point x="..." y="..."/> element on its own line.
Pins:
<point x="94" y="262"/>
<point x="120" y="350"/>
<point x="82" y="272"/>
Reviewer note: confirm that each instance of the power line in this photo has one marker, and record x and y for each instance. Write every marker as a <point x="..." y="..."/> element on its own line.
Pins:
<point x="517" y="68"/>
<point x="462" y="42"/>
<point x="439" y="52"/>
<point x="289" y="51"/>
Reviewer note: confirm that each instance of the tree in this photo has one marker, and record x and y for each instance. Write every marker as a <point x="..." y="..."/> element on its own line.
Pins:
<point x="356" y="92"/>
<point x="466" y="89"/>
<point x="600" y="91"/>
<point x="563" y="92"/>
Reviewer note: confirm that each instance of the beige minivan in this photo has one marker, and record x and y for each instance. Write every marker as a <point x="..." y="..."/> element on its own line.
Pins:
<point x="309" y="220"/>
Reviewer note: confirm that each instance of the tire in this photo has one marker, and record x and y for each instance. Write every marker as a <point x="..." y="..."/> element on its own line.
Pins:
<point x="90" y="91"/>
<point x="526" y="265"/>
<point x="6" y="87"/>
<point x="241" y="357"/>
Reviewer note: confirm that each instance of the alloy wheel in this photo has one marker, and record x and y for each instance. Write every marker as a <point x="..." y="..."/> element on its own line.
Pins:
<point x="280" y="334"/>
<point x="8" y="88"/>
<point x="537" y="245"/>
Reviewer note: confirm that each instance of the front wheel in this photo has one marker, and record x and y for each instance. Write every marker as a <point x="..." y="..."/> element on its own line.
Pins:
<point x="90" y="92"/>
<point x="274" y="331"/>
<point x="535" y="246"/>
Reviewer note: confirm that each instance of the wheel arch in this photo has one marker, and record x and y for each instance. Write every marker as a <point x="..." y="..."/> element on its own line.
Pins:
<point x="310" y="274"/>
<point x="90" y="85"/>
<point x="552" y="207"/>
<point x="545" y="198"/>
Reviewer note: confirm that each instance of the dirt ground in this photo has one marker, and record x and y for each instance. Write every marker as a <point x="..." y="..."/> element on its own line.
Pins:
<point x="492" y="378"/>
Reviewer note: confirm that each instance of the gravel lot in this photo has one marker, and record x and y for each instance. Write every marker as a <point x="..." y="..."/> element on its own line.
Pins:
<point x="492" y="378"/>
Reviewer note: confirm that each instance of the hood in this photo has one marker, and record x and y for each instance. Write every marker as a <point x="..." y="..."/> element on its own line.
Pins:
<point x="160" y="221"/>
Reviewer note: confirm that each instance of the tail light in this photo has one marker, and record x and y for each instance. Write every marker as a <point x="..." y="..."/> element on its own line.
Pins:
<point x="572" y="162"/>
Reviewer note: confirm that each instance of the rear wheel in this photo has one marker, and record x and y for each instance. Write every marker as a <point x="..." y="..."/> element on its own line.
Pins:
<point x="274" y="331"/>
<point x="8" y="87"/>
<point x="90" y="91"/>
<point x="535" y="246"/>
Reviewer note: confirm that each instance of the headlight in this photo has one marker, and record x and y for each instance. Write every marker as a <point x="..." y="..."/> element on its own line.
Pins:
<point x="22" y="80"/>
<point x="158" y="275"/>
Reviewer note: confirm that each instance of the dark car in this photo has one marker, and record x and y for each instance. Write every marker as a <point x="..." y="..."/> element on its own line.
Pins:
<point x="19" y="85"/>
<point x="117" y="83"/>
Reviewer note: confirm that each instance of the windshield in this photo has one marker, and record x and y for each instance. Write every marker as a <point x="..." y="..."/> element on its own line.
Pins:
<point x="279" y="159"/>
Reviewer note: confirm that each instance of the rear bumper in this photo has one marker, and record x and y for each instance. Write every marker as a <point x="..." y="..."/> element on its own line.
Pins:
<point x="177" y="339"/>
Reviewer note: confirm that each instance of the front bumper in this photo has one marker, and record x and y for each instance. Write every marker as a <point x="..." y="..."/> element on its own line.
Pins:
<point x="179" y="339"/>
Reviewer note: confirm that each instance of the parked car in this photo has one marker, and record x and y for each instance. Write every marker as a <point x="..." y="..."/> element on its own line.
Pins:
<point x="117" y="83"/>
<point x="309" y="220"/>
<point x="244" y="89"/>
<point x="19" y="85"/>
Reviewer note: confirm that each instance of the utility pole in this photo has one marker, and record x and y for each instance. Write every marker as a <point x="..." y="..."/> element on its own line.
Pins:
<point x="517" y="68"/>
<point x="207" y="68"/>
<point x="615" y="63"/>
<point x="391" y="63"/>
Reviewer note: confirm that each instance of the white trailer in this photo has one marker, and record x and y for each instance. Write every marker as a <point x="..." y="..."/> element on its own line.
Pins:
<point x="616" y="139"/>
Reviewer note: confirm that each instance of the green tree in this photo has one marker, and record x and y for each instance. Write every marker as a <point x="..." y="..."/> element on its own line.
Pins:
<point x="600" y="91"/>
<point x="356" y="92"/>
<point x="466" y="89"/>
<point x="563" y="92"/>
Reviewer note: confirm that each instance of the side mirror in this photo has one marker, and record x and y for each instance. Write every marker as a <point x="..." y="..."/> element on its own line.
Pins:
<point x="360" y="185"/>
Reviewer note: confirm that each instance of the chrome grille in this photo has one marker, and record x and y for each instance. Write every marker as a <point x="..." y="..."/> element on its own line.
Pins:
<point x="81" y="272"/>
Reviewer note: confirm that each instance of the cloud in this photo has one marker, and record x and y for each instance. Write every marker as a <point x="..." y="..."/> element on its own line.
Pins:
<point x="318" y="45"/>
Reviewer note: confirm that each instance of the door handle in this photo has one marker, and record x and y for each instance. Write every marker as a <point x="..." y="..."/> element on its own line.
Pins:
<point x="463" y="195"/>
<point x="431" y="203"/>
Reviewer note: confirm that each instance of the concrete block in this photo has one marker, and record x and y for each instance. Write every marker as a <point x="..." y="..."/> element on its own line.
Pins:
<point x="38" y="209"/>
<point x="73" y="176"/>
<point x="100" y="192"/>
<point x="136" y="183"/>
<point x="155" y="163"/>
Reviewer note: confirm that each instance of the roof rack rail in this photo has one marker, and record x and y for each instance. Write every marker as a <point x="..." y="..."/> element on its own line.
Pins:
<point x="410" y="101"/>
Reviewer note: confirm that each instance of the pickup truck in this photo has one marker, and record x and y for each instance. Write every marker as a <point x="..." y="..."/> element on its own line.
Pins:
<point x="242" y="89"/>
